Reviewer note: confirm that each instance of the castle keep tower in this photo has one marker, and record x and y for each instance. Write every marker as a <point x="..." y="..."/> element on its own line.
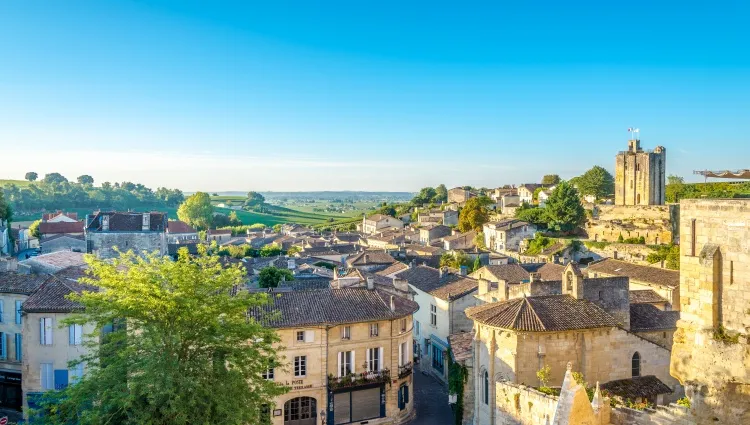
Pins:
<point x="640" y="175"/>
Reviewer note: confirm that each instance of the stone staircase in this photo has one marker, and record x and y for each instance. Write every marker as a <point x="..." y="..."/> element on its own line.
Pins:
<point x="672" y="414"/>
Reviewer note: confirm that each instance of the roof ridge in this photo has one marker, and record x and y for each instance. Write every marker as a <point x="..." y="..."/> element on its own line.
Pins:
<point x="538" y="319"/>
<point x="518" y="312"/>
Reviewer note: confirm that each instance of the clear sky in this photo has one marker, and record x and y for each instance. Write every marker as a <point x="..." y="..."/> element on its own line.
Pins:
<point x="367" y="95"/>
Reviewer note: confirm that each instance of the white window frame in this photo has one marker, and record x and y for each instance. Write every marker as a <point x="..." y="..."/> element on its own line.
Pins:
<point x="268" y="374"/>
<point x="300" y="366"/>
<point x="374" y="330"/>
<point x="47" y="376"/>
<point x="347" y="363"/>
<point x="403" y="325"/>
<point x="76" y="373"/>
<point x="45" y="331"/>
<point x="346" y="332"/>
<point x="433" y="315"/>
<point x="75" y="334"/>
<point x="403" y="353"/>
<point x="374" y="359"/>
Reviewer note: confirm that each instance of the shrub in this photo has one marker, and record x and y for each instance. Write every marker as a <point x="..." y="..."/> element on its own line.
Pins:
<point x="684" y="402"/>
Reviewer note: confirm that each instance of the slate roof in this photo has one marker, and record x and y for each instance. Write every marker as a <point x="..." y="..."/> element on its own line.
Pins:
<point x="637" y="273"/>
<point x="639" y="386"/>
<point x="511" y="273"/>
<point x="219" y="232"/>
<point x="127" y="221"/>
<point x="542" y="314"/>
<point x="61" y="227"/>
<point x="647" y="317"/>
<point x="16" y="283"/>
<point x="61" y="235"/>
<point x="51" y="297"/>
<point x="646" y="296"/>
<point x="332" y="307"/>
<point x="393" y="268"/>
<point x="370" y="258"/>
<point x="461" y="345"/>
<point x="177" y="226"/>
<point x="454" y="286"/>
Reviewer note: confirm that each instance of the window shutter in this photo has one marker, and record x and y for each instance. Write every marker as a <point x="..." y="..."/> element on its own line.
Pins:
<point x="401" y="398"/>
<point x="61" y="379"/>
<point x="3" y="346"/>
<point x="2" y="311"/>
<point x="340" y="362"/>
<point x="18" y="312"/>
<point x="19" y="347"/>
<point x="72" y="334"/>
<point x="380" y="358"/>
<point x="354" y="363"/>
<point x="41" y="331"/>
<point x="406" y="394"/>
<point x="368" y="359"/>
<point x="400" y="355"/>
<point x="309" y="336"/>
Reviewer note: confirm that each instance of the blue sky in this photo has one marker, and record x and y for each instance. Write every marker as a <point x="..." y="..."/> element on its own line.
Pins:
<point x="367" y="95"/>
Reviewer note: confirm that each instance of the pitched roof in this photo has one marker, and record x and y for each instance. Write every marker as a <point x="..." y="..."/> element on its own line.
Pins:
<point x="636" y="272"/>
<point x="51" y="297"/>
<point x="219" y="231"/>
<point x="509" y="224"/>
<point x="458" y="236"/>
<point x="127" y="221"/>
<point x="454" y="286"/>
<point x="639" y="386"/>
<point x="512" y="273"/>
<point x="424" y="278"/>
<point x="347" y="237"/>
<point x="61" y="227"/>
<point x="647" y="317"/>
<point x="332" y="307"/>
<point x="55" y="261"/>
<point x="645" y="296"/>
<point x="177" y="226"/>
<point x="60" y="236"/>
<point x="461" y="345"/>
<point x="370" y="258"/>
<point x="378" y="217"/>
<point x="542" y="314"/>
<point x="393" y="268"/>
<point x="50" y="216"/>
<point x="307" y="283"/>
<point x="551" y="271"/>
<point x="16" y="283"/>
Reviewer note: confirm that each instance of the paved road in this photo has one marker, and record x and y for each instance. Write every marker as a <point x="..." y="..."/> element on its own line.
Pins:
<point x="431" y="401"/>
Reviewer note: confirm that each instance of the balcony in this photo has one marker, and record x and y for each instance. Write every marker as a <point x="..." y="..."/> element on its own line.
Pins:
<point x="358" y="379"/>
<point x="405" y="370"/>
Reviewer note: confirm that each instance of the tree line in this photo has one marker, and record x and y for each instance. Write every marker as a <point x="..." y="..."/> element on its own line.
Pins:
<point x="55" y="191"/>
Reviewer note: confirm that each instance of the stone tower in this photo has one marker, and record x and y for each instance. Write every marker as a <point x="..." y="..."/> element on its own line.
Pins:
<point x="640" y="175"/>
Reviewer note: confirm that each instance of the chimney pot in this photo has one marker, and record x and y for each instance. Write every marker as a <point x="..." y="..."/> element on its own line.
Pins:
<point x="393" y="306"/>
<point x="463" y="270"/>
<point x="370" y="283"/>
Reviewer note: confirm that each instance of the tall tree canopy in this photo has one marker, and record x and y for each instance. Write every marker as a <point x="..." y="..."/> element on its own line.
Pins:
<point x="474" y="214"/>
<point x="6" y="213"/>
<point x="597" y="181"/>
<point x="563" y="210"/>
<point x="197" y="211"/>
<point x="441" y="193"/>
<point x="31" y="176"/>
<point x="85" y="179"/>
<point x="53" y="178"/>
<point x="551" y="179"/>
<point x="270" y="277"/>
<point x="254" y="199"/>
<point x="187" y="355"/>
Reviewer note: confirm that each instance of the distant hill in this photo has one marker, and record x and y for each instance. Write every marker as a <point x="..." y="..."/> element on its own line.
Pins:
<point x="326" y="195"/>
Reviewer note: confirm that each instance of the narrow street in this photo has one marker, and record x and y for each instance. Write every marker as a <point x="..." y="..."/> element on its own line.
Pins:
<point x="431" y="401"/>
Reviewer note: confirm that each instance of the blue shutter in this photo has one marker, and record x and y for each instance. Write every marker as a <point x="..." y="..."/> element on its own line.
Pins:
<point x="19" y="347"/>
<point x="18" y="312"/>
<point x="406" y="394"/>
<point x="3" y="346"/>
<point x="71" y="335"/>
<point x="2" y="311"/>
<point x="401" y="398"/>
<point x="61" y="379"/>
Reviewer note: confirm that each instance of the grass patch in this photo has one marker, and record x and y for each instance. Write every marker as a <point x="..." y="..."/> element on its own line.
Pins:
<point x="19" y="183"/>
<point x="721" y="335"/>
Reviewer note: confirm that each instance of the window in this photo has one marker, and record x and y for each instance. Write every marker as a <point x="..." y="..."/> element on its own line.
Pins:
<point x="268" y="374"/>
<point x="403" y="325"/>
<point x="403" y="354"/>
<point x="346" y="363"/>
<point x="2" y="311"/>
<point x="374" y="328"/>
<point x="486" y="388"/>
<point x="403" y="397"/>
<point x="300" y="366"/>
<point x="433" y="315"/>
<point x="416" y="326"/>
<point x="18" y="312"/>
<point x="300" y="410"/>
<point x="19" y="347"/>
<point x="636" y="364"/>
<point x="692" y="237"/>
<point x="47" y="376"/>
<point x="305" y="336"/>
<point x="346" y="332"/>
<point x="437" y="358"/>
<point x="75" y="333"/>
<point x="76" y="373"/>
<point x="375" y="359"/>
<point x="3" y="346"/>
<point x="300" y="336"/>
<point x="45" y="331"/>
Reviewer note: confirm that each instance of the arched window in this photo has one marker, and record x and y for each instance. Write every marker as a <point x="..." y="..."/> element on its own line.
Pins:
<point x="300" y="411"/>
<point x="569" y="281"/>
<point x="486" y="388"/>
<point x="636" y="364"/>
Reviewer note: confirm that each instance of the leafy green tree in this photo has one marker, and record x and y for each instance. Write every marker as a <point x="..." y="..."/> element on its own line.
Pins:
<point x="455" y="260"/>
<point x="474" y="214"/>
<point x="669" y="254"/>
<point x="182" y="349"/>
<point x="34" y="229"/>
<point x="85" y="179"/>
<point x="477" y="264"/>
<point x="425" y="196"/>
<point x="270" y="277"/>
<point x="441" y="194"/>
<point x="31" y="176"/>
<point x="563" y="209"/>
<point x="673" y="179"/>
<point x="234" y="220"/>
<point x="6" y="213"/>
<point x="535" y="195"/>
<point x="277" y="228"/>
<point x="254" y="199"/>
<point x="386" y="209"/>
<point x="551" y="179"/>
<point x="597" y="181"/>
<point x="220" y="220"/>
<point x="293" y="250"/>
<point x="197" y="211"/>
<point x="532" y="214"/>
<point x="270" y="250"/>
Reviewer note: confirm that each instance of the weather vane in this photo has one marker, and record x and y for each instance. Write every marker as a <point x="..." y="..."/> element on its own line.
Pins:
<point x="636" y="132"/>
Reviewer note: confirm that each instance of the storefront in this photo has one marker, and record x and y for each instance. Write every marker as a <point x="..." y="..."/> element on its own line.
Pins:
<point x="356" y="404"/>
<point x="10" y="390"/>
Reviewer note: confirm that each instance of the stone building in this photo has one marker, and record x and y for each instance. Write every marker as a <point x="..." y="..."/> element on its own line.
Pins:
<point x="657" y="224"/>
<point x="665" y="282"/>
<point x="506" y="235"/>
<point x="127" y="231"/>
<point x="379" y="222"/>
<point x="640" y="175"/>
<point x="710" y="354"/>
<point x="459" y="195"/>
<point x="349" y="354"/>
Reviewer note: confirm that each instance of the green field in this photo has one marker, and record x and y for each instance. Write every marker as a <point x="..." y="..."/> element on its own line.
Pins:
<point x="19" y="183"/>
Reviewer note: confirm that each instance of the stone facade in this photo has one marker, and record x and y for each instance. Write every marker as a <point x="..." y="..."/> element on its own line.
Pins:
<point x="640" y="175"/>
<point x="711" y="350"/>
<point x="657" y="224"/>
<point x="460" y="195"/>
<point x="103" y="244"/>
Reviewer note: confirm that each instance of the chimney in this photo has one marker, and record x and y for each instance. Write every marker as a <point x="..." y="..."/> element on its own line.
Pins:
<point x="366" y="258"/>
<point x="401" y="284"/>
<point x="442" y="272"/>
<point x="105" y="222"/>
<point x="146" y="221"/>
<point x="463" y="270"/>
<point x="370" y="283"/>
<point x="412" y="264"/>
<point x="291" y="264"/>
<point x="393" y="306"/>
<point x="484" y="286"/>
<point x="534" y="277"/>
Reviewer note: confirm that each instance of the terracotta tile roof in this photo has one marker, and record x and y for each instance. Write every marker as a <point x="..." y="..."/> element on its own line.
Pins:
<point x="16" y="283"/>
<point x="424" y="278"/>
<point x="645" y="296"/>
<point x="509" y="224"/>
<point x="511" y="273"/>
<point x="127" y="221"/>
<point x="462" y="345"/>
<point x="639" y="386"/>
<point x="307" y="283"/>
<point x="73" y="273"/>
<point x="219" y="231"/>
<point x="393" y="268"/>
<point x="347" y="237"/>
<point x="637" y="273"/>
<point x="331" y="307"/>
<point x="647" y="317"/>
<point x="454" y="286"/>
<point x="177" y="226"/>
<point x="542" y="314"/>
<point x="459" y="236"/>
<point x="378" y="217"/>
<point x="424" y="248"/>
<point x="50" y="216"/>
<point x="60" y="227"/>
<point x="370" y="258"/>
<point x="51" y="297"/>
<point x="551" y="271"/>
<point x="55" y="261"/>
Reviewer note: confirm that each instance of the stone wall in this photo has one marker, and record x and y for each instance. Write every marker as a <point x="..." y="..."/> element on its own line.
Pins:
<point x="632" y="253"/>
<point x="711" y="350"/>
<point x="656" y="223"/>
<point x="103" y="244"/>
<point x="521" y="405"/>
